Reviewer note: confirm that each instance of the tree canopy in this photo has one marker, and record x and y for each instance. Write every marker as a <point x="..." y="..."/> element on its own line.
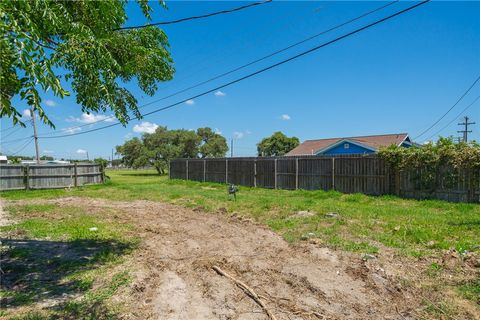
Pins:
<point x="158" y="148"/>
<point x="47" y="44"/>
<point x="277" y="144"/>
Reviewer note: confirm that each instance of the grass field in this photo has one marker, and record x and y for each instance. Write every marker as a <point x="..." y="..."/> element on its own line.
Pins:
<point x="351" y="222"/>
<point x="362" y="223"/>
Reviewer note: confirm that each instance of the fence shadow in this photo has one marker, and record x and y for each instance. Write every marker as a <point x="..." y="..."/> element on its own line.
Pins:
<point x="39" y="270"/>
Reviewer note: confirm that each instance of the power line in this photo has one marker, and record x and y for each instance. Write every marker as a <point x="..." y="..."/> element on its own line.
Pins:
<point x="456" y="117"/>
<point x="249" y="63"/>
<point x="22" y="148"/>
<point x="443" y="116"/>
<point x="7" y="129"/>
<point x="257" y="72"/>
<point x="16" y="140"/>
<point x="14" y="131"/>
<point x="195" y="17"/>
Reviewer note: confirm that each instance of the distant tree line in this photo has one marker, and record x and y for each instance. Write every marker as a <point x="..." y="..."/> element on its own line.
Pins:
<point x="158" y="148"/>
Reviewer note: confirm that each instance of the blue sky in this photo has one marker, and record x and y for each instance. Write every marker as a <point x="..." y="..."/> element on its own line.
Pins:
<point x="399" y="76"/>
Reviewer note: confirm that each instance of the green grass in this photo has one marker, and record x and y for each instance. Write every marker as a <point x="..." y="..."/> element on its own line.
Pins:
<point x="416" y="228"/>
<point x="471" y="290"/>
<point x="52" y="252"/>
<point x="56" y="243"/>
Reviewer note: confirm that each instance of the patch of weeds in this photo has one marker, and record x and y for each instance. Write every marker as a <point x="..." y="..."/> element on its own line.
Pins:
<point x="68" y="229"/>
<point x="438" y="310"/>
<point x="471" y="290"/>
<point x="434" y="269"/>
<point x="17" y="210"/>
<point x="348" y="245"/>
<point x="20" y="253"/>
<point x="20" y="298"/>
<point x="356" y="197"/>
<point x="31" y="316"/>
<point x="92" y="306"/>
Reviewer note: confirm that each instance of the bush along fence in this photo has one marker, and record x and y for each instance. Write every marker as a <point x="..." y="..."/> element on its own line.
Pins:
<point x="348" y="174"/>
<point x="51" y="176"/>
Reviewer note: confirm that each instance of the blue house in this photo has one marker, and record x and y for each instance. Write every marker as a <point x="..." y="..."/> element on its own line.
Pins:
<point x="351" y="145"/>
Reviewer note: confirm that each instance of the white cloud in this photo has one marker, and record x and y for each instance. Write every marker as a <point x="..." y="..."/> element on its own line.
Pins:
<point x="48" y="151"/>
<point x="217" y="131"/>
<point x="238" y="135"/>
<point x="71" y="130"/>
<point x="220" y="93"/>
<point x="285" y="117"/>
<point x="241" y="134"/>
<point x="145" y="127"/>
<point x="50" y="103"/>
<point x="190" y="102"/>
<point x="26" y="114"/>
<point x="90" y="118"/>
<point x="128" y="135"/>
<point x="81" y="151"/>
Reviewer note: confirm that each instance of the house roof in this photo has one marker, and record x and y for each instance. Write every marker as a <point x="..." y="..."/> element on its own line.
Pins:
<point x="309" y="147"/>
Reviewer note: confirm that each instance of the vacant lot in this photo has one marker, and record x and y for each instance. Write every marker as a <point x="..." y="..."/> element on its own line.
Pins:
<point x="142" y="246"/>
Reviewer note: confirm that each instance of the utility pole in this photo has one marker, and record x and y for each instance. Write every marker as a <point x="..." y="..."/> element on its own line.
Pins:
<point x="35" y="136"/>
<point x="465" y="131"/>
<point x="231" y="148"/>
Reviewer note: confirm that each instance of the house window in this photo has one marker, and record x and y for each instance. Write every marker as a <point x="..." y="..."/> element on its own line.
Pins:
<point x="346" y="146"/>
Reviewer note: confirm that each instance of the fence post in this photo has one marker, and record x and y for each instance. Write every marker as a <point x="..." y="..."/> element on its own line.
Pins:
<point x="226" y="170"/>
<point x="170" y="170"/>
<point x="397" y="182"/>
<point x="275" y="166"/>
<point x="333" y="173"/>
<point x="296" y="173"/>
<point x="186" y="169"/>
<point x="204" y="170"/>
<point x="102" y="171"/>
<point x="26" y="170"/>
<point x="75" y="173"/>
<point x="255" y="173"/>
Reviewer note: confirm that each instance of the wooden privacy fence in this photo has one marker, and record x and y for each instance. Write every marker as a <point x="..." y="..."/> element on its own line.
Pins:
<point x="348" y="174"/>
<point x="48" y="176"/>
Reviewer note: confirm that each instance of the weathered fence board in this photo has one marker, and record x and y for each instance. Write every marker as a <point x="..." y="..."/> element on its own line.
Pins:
<point x="39" y="176"/>
<point x="349" y="174"/>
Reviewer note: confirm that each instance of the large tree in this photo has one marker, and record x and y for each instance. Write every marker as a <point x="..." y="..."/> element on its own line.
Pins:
<point x="158" y="148"/>
<point x="277" y="144"/>
<point x="134" y="153"/>
<point x="213" y="145"/>
<point x="47" y="44"/>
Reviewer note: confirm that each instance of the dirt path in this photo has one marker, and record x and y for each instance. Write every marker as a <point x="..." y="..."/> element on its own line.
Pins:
<point x="174" y="277"/>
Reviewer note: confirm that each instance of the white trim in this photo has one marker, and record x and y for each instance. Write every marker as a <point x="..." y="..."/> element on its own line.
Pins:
<point x="406" y="137"/>
<point x="339" y="142"/>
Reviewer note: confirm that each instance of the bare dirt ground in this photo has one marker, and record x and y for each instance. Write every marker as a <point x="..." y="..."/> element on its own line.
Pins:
<point x="174" y="279"/>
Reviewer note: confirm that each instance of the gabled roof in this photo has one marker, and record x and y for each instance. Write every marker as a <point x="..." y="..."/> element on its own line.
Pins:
<point x="310" y="147"/>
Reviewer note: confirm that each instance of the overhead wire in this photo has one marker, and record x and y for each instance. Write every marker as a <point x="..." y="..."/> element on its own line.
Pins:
<point x="258" y="71"/>
<point x="249" y="63"/>
<point x="454" y="119"/>
<point x="23" y="147"/>
<point x="450" y="109"/>
<point x="195" y="17"/>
